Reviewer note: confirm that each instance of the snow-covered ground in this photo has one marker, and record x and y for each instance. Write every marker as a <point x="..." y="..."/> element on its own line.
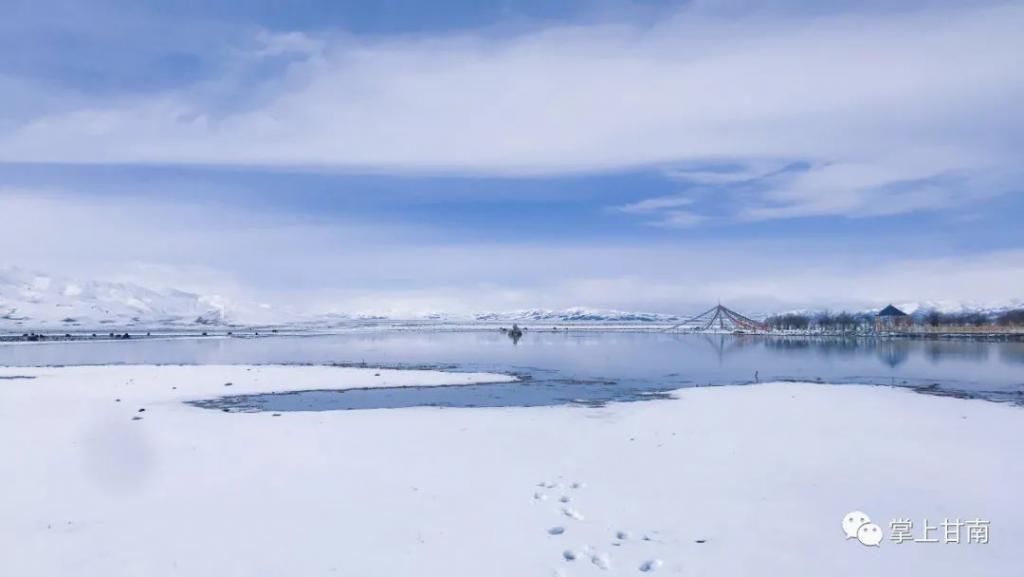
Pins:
<point x="725" y="481"/>
<point x="175" y="383"/>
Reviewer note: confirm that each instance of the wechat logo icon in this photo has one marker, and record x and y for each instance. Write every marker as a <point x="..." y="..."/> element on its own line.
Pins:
<point x="857" y="525"/>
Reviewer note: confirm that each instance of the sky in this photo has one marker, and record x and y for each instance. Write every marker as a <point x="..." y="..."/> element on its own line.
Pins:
<point x="403" y="157"/>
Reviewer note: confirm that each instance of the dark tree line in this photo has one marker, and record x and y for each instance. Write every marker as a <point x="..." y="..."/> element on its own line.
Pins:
<point x="825" y="321"/>
<point x="935" y="319"/>
<point x="789" y="322"/>
<point x="1006" y="319"/>
<point x="849" y="322"/>
<point x="842" y="321"/>
<point x="1014" y="318"/>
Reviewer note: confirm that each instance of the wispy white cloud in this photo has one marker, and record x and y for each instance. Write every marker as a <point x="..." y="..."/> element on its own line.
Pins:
<point x="655" y="204"/>
<point x="709" y="175"/>
<point x="304" y="266"/>
<point x="850" y="189"/>
<point x="862" y="189"/>
<point x="679" y="219"/>
<point x="664" y="211"/>
<point x="589" y="97"/>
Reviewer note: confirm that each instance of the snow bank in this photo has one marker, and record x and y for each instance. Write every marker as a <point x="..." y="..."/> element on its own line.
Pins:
<point x="721" y="481"/>
<point x="168" y="383"/>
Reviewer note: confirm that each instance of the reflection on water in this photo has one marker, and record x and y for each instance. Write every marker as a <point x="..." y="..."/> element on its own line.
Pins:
<point x="633" y="363"/>
<point x="891" y="352"/>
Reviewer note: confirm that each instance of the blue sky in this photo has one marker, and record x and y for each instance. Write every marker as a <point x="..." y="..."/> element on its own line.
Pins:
<point x="403" y="157"/>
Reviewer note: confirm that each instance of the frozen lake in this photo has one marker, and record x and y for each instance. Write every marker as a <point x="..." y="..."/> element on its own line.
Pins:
<point x="569" y="367"/>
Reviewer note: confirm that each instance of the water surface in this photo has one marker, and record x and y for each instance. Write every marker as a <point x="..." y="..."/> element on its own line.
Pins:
<point x="571" y="367"/>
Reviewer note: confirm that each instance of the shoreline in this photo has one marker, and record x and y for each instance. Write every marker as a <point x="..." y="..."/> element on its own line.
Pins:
<point x="117" y="335"/>
<point x="337" y="377"/>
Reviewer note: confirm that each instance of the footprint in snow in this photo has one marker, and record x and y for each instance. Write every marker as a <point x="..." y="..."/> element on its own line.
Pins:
<point x="538" y="496"/>
<point x="622" y="535"/>
<point x="569" y="555"/>
<point x="651" y="537"/>
<point x="564" y="499"/>
<point x="601" y="560"/>
<point x="572" y="513"/>
<point x="650" y="566"/>
<point x="578" y="485"/>
<point x="556" y="530"/>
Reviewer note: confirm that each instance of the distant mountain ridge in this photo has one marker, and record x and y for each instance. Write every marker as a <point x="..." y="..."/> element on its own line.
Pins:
<point x="578" y="314"/>
<point x="38" y="301"/>
<point x="35" y="301"/>
<point x="919" y="309"/>
<point x="953" y="307"/>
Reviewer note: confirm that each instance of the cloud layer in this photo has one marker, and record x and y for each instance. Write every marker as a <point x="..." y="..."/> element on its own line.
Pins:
<point x="894" y="105"/>
<point x="934" y="88"/>
<point x="755" y="115"/>
<point x="303" y="267"/>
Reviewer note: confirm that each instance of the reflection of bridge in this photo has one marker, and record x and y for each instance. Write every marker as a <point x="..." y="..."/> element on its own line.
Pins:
<point x="721" y="319"/>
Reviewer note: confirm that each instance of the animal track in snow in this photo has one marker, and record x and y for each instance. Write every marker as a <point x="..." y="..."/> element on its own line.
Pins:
<point x="564" y="499"/>
<point x="556" y="530"/>
<point x="540" y="496"/>
<point x="569" y="555"/>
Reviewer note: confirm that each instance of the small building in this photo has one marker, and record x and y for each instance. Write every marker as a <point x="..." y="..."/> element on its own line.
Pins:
<point x="892" y="319"/>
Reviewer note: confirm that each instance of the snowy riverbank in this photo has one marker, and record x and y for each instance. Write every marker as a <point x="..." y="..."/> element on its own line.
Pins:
<point x="723" y="481"/>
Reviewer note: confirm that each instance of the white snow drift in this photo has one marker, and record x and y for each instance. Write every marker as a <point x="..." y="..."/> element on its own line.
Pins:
<point x="719" y="482"/>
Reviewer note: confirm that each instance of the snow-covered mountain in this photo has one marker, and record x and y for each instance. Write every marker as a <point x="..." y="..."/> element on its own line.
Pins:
<point x="957" y="307"/>
<point x="919" y="309"/>
<point x="578" y="314"/>
<point x="35" y="301"/>
<point x="30" y="300"/>
<point x="569" y="315"/>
